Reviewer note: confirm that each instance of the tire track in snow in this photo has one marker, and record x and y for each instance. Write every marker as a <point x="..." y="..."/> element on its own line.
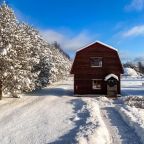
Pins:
<point x="20" y="109"/>
<point x="20" y="106"/>
<point x="40" y="117"/>
<point x="120" y="132"/>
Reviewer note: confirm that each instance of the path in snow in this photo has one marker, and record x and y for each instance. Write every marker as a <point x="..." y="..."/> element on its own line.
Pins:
<point x="41" y="117"/>
<point x="53" y="116"/>
<point x="119" y="131"/>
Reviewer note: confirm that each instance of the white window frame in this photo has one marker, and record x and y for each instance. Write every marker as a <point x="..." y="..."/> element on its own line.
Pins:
<point x="93" y="84"/>
<point x="97" y="65"/>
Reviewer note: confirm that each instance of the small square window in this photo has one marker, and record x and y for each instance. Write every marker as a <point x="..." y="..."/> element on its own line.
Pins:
<point x="96" y="62"/>
<point x="96" y="84"/>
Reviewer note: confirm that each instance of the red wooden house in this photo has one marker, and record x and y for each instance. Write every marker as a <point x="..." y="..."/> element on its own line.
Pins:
<point x="97" y="69"/>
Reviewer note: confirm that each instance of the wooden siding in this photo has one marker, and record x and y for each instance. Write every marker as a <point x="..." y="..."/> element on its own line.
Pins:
<point x="84" y="73"/>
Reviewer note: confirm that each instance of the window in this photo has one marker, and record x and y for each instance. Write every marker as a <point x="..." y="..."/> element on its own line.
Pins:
<point x="96" y="84"/>
<point x="96" y="61"/>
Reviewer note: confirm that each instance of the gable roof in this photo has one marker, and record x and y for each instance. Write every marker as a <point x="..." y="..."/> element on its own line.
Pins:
<point x="87" y="47"/>
<point x="108" y="46"/>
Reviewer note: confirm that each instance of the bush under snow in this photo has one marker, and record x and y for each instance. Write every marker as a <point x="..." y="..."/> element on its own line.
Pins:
<point x="136" y="101"/>
<point x="133" y="101"/>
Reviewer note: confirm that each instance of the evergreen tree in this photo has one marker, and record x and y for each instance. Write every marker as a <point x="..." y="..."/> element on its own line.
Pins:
<point x="141" y="67"/>
<point x="26" y="60"/>
<point x="15" y="53"/>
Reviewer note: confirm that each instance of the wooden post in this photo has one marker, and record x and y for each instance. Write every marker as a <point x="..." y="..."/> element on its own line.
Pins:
<point x="0" y="90"/>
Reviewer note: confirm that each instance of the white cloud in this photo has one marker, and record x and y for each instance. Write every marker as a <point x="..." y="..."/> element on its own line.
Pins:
<point x="135" y="31"/>
<point x="137" y="5"/>
<point x="68" y="41"/>
<point x="65" y="38"/>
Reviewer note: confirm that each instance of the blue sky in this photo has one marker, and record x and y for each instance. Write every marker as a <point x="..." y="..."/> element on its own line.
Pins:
<point x="75" y="23"/>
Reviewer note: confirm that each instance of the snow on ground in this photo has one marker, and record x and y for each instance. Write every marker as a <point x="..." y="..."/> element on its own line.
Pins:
<point x="133" y="101"/>
<point x="51" y="115"/>
<point x="95" y="130"/>
<point x="131" y="109"/>
<point x="37" y="118"/>
<point x="54" y="116"/>
<point x="131" y="105"/>
<point x="132" y="86"/>
<point x="134" y="117"/>
<point x="120" y="132"/>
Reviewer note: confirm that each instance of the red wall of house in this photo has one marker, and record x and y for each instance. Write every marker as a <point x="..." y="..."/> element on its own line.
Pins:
<point x="84" y="73"/>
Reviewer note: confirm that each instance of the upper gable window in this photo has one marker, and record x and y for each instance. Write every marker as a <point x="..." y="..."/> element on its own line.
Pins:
<point x="96" y="61"/>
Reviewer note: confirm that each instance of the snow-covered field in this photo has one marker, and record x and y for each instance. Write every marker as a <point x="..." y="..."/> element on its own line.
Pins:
<point x="132" y="86"/>
<point x="54" y="116"/>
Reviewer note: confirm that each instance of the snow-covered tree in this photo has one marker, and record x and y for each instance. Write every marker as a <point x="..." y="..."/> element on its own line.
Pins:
<point x="26" y="60"/>
<point x="54" y="65"/>
<point x="16" y="62"/>
<point x="8" y="28"/>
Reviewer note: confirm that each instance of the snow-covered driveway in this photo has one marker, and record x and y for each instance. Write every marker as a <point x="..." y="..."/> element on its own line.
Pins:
<point x="54" y="116"/>
<point x="120" y="132"/>
<point x="40" y="117"/>
<point x="51" y="116"/>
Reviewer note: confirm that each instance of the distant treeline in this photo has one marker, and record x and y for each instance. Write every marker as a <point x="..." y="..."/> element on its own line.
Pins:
<point x="57" y="45"/>
<point x="139" y="66"/>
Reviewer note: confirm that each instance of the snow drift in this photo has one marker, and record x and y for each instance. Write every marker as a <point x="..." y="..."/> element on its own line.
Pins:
<point x="130" y="72"/>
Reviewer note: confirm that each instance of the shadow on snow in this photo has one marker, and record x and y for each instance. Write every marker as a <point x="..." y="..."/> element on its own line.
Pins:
<point x="132" y="92"/>
<point x="51" y="92"/>
<point x="69" y="138"/>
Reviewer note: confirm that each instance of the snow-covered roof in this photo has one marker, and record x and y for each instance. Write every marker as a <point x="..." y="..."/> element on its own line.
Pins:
<point x="99" y="43"/>
<point x="111" y="75"/>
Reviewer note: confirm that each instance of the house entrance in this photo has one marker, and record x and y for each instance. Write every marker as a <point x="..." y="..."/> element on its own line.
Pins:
<point x="112" y="85"/>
